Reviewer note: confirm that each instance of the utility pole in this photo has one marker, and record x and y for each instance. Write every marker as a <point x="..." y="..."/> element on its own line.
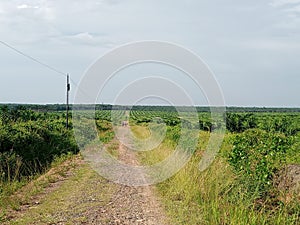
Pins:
<point x="68" y="90"/>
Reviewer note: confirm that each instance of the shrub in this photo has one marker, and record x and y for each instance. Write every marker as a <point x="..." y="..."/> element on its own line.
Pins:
<point x="32" y="145"/>
<point x="256" y="155"/>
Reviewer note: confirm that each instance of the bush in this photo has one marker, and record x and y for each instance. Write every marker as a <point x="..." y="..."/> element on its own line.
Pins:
<point x="32" y="145"/>
<point x="256" y="155"/>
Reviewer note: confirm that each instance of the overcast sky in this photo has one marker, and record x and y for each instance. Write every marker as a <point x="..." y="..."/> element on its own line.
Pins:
<point x="253" y="47"/>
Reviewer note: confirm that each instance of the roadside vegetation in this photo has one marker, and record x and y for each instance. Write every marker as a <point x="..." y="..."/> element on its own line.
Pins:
<point x="242" y="186"/>
<point x="31" y="143"/>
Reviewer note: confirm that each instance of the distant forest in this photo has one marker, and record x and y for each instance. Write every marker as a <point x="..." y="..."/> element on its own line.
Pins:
<point x="62" y="107"/>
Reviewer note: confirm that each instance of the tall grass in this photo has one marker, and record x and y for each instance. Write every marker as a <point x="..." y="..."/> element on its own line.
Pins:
<point x="29" y="143"/>
<point x="215" y="196"/>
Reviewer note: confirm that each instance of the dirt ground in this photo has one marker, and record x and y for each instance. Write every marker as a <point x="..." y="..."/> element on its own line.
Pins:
<point x="82" y="196"/>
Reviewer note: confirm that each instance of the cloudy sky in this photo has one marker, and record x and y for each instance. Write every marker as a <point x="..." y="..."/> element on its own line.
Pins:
<point x="253" y="47"/>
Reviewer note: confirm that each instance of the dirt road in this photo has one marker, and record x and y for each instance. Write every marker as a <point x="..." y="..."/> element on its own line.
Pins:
<point x="84" y="197"/>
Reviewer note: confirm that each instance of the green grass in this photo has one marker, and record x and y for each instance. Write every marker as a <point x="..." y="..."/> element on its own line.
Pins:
<point x="141" y="132"/>
<point x="215" y="196"/>
<point x="15" y="193"/>
<point x="113" y="148"/>
<point x="71" y="201"/>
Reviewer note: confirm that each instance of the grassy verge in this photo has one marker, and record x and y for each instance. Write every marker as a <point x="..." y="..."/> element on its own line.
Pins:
<point x="18" y="193"/>
<point x="73" y="200"/>
<point x="51" y="199"/>
<point x="215" y="196"/>
<point x="141" y="132"/>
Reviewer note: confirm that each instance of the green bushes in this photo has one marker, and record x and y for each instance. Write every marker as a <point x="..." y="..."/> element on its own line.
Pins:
<point x="29" y="143"/>
<point x="239" y="186"/>
<point x="256" y="156"/>
<point x="286" y="123"/>
<point x="239" y="122"/>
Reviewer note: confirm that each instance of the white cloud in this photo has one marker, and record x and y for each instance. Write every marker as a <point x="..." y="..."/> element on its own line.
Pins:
<point x="290" y="6"/>
<point x="279" y="3"/>
<point x="289" y="11"/>
<point x="25" y="6"/>
<point x="86" y="38"/>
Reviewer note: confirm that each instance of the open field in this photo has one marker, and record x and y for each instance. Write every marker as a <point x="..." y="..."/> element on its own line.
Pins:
<point x="253" y="179"/>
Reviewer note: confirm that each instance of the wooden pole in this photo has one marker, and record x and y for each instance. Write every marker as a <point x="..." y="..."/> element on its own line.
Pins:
<point x="68" y="90"/>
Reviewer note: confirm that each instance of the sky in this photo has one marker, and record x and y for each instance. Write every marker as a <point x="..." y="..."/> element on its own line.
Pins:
<point x="252" y="47"/>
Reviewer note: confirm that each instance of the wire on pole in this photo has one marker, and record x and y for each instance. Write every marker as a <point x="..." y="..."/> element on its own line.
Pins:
<point x="33" y="59"/>
<point x="49" y="67"/>
<point x="55" y="70"/>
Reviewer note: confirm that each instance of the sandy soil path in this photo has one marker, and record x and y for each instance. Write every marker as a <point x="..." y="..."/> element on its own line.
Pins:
<point x="84" y="197"/>
<point x="133" y="205"/>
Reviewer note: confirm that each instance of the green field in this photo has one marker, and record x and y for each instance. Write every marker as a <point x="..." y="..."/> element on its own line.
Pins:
<point x="239" y="187"/>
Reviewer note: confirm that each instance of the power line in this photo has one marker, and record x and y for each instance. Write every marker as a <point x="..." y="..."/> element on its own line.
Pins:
<point x="33" y="59"/>
<point x="49" y="67"/>
<point x="46" y="65"/>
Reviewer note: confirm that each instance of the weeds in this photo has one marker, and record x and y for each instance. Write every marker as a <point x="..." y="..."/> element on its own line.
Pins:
<point x="222" y="194"/>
